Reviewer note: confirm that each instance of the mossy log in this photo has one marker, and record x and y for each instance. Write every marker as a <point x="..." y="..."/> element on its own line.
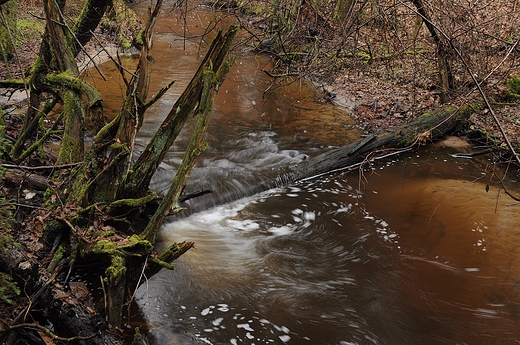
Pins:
<point x="427" y="127"/>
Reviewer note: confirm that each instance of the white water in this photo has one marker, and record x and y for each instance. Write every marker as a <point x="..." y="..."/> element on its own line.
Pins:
<point x="414" y="252"/>
<point x="417" y="256"/>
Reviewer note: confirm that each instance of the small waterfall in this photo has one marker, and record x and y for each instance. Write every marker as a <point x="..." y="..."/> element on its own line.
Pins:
<point x="255" y="164"/>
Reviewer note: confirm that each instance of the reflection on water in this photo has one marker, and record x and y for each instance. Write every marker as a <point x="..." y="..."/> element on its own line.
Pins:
<point x="418" y="255"/>
<point x="257" y="125"/>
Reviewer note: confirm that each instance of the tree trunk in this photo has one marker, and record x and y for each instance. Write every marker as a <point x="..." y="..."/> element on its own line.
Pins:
<point x="8" y="12"/>
<point x="443" y="53"/>
<point x="211" y="83"/>
<point x="139" y="176"/>
<point x="117" y="140"/>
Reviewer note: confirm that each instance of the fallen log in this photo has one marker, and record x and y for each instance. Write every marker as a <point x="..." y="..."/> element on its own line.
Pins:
<point x="429" y="126"/>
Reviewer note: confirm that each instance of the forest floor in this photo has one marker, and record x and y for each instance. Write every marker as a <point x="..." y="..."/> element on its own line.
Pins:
<point x="379" y="94"/>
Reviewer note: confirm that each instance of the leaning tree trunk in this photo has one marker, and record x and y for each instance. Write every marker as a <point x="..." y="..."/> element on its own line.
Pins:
<point x="116" y="139"/>
<point x="139" y="176"/>
<point x="443" y="53"/>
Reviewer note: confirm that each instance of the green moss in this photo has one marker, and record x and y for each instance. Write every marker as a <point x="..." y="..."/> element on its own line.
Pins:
<point x="60" y="252"/>
<point x="138" y="339"/>
<point x="164" y="264"/>
<point x="116" y="272"/>
<point x="28" y="30"/>
<point x="174" y="251"/>
<point x="513" y="86"/>
<point x="75" y="253"/>
<point x="137" y="246"/>
<point x="139" y="40"/>
<point x="6" y="221"/>
<point x="134" y="202"/>
<point x="104" y="247"/>
<point x="7" y="45"/>
<point x="6" y="208"/>
<point x="135" y="239"/>
<point x="124" y="23"/>
<point x="8" y="288"/>
<point x="108" y="233"/>
<point x="407" y="140"/>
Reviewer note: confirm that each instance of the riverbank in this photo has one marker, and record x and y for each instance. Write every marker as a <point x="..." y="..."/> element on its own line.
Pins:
<point x="379" y="104"/>
<point x="376" y="97"/>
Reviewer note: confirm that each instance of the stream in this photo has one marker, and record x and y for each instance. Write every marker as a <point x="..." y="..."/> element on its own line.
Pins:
<point x="412" y="250"/>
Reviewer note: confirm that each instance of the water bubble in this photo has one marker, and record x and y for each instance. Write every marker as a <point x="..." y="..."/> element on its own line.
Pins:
<point x="217" y="321"/>
<point x="284" y="338"/>
<point x="245" y="326"/>
<point x="207" y="311"/>
<point x="471" y="269"/>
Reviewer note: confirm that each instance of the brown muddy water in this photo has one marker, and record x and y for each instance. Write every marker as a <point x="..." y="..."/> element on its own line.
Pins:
<point x="412" y="251"/>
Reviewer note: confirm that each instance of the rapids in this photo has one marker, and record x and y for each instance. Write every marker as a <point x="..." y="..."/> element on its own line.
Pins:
<point x="411" y="250"/>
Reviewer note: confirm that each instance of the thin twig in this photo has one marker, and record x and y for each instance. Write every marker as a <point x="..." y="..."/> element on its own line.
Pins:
<point x="42" y="167"/>
<point x="22" y="205"/>
<point x="450" y="194"/>
<point x="105" y="299"/>
<point x="49" y="332"/>
<point x="119" y="65"/>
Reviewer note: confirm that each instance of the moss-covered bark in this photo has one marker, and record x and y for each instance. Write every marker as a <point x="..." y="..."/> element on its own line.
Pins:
<point x="211" y="83"/>
<point x="8" y="12"/>
<point x="139" y="176"/>
<point x="95" y="205"/>
<point x="88" y="21"/>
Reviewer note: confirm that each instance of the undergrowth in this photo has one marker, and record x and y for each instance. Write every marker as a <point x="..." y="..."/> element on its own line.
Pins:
<point x="8" y="288"/>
